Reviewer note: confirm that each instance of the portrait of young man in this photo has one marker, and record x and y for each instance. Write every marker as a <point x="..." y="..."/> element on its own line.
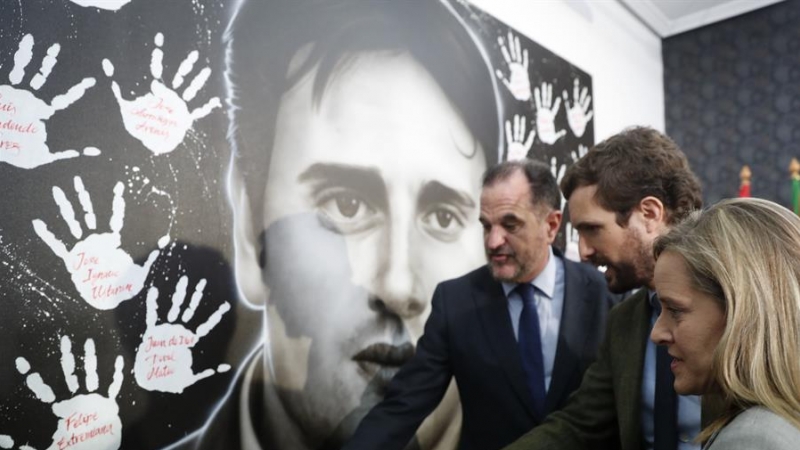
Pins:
<point x="360" y="130"/>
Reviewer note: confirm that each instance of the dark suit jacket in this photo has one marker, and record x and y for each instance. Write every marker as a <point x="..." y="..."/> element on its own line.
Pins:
<point x="605" y="412"/>
<point x="469" y="336"/>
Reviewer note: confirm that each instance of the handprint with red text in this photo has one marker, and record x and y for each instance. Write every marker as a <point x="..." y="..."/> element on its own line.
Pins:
<point x="164" y="358"/>
<point x="161" y="118"/>
<point x="23" y="115"/>
<point x="518" y="82"/>
<point x="104" y="274"/>
<point x="518" y="144"/>
<point x="579" y="114"/>
<point x="546" y="110"/>
<point x="87" y="421"/>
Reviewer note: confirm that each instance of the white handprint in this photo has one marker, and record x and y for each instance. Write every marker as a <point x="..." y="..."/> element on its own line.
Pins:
<point x="110" y="5"/>
<point x="6" y="442"/>
<point x="573" y="250"/>
<point x="164" y="358"/>
<point x="516" y="58"/>
<point x="546" y="112"/>
<point x="578" y="115"/>
<point x="161" y="118"/>
<point x="517" y="149"/>
<point x="104" y="274"/>
<point x="23" y="131"/>
<point x="558" y="173"/>
<point x="580" y="153"/>
<point x="85" y="421"/>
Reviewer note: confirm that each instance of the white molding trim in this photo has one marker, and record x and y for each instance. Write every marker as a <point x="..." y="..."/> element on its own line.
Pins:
<point x="652" y="16"/>
<point x="717" y="13"/>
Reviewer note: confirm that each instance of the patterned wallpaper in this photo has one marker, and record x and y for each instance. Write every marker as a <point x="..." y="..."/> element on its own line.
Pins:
<point x="732" y="97"/>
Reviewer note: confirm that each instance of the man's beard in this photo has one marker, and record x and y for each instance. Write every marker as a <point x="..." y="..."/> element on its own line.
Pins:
<point x="634" y="270"/>
<point x="521" y="269"/>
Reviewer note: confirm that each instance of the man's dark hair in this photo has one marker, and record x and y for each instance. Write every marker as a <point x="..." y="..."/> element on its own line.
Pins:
<point x="634" y="164"/>
<point x="264" y="36"/>
<point x="544" y="187"/>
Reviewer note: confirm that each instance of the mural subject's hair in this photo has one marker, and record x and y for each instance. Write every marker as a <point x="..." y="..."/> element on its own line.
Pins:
<point x="543" y="185"/>
<point x="745" y="253"/>
<point x="634" y="164"/>
<point x="264" y="37"/>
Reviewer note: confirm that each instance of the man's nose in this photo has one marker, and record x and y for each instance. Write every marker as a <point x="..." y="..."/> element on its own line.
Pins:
<point x="495" y="238"/>
<point x="584" y="249"/>
<point x="397" y="284"/>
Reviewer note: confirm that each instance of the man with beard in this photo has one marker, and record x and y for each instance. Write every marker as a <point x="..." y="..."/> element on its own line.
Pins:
<point x="626" y="192"/>
<point x="516" y="334"/>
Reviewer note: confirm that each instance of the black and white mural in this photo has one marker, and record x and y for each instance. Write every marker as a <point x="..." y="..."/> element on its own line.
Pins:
<point x="222" y="222"/>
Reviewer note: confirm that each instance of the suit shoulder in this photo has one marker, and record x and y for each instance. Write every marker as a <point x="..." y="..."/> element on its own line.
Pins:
<point x="481" y="273"/>
<point x="478" y="276"/>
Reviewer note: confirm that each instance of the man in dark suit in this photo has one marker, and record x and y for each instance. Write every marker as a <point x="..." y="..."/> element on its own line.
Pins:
<point x="517" y="334"/>
<point x="627" y="191"/>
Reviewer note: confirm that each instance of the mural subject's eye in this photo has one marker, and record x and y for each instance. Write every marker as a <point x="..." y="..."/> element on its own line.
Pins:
<point x="345" y="211"/>
<point x="347" y="205"/>
<point x="444" y="222"/>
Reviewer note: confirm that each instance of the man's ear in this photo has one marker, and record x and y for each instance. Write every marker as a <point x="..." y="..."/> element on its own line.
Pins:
<point x="653" y="214"/>
<point x="246" y="245"/>
<point x="553" y="221"/>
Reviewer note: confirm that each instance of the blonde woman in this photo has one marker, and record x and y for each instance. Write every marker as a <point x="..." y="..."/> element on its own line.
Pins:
<point x="728" y="280"/>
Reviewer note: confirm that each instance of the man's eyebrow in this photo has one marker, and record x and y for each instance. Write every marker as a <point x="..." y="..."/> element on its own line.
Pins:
<point x="362" y="179"/>
<point x="434" y="192"/>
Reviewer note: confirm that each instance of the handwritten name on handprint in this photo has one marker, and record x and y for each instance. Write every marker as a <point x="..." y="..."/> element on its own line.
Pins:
<point x="161" y="118"/>
<point x="85" y="421"/>
<point x="164" y="358"/>
<point x="23" y="116"/>
<point x="103" y="273"/>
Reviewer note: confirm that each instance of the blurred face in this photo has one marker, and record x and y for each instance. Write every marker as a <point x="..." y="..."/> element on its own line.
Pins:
<point x="371" y="200"/>
<point x="690" y="325"/>
<point x="515" y="238"/>
<point x="624" y="251"/>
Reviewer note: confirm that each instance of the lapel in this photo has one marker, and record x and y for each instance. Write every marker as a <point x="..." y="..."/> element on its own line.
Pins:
<point x="576" y="317"/>
<point x="628" y="379"/>
<point x="492" y="308"/>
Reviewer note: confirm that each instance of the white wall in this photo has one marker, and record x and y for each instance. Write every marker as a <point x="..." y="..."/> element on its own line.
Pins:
<point x="607" y="41"/>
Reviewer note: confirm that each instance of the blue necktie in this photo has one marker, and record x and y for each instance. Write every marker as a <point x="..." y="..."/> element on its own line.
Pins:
<point x="665" y="406"/>
<point x="530" y="347"/>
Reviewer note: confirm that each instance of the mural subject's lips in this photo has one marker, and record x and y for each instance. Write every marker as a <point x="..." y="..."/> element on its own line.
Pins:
<point x="382" y="361"/>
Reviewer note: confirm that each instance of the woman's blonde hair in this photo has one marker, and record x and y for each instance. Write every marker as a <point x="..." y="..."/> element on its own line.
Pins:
<point x="746" y="253"/>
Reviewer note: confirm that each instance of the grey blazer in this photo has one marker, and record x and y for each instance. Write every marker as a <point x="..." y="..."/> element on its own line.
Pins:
<point x="756" y="428"/>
